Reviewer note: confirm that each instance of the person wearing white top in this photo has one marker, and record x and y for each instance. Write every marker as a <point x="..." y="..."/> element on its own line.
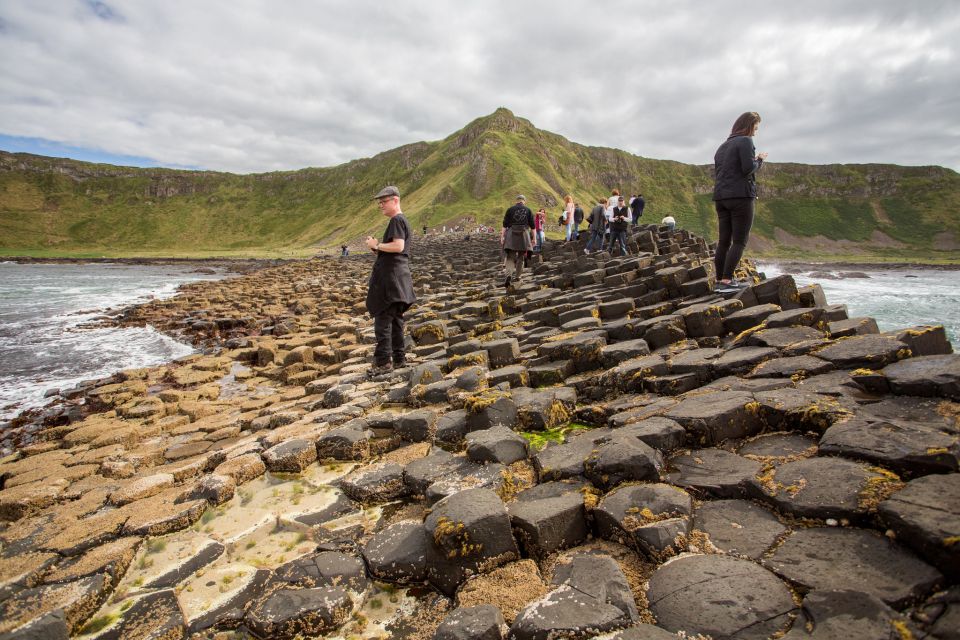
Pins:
<point x="669" y="222"/>
<point x="568" y="210"/>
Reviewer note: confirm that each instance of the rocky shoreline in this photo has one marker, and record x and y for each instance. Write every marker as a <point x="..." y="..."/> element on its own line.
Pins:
<point x="232" y="265"/>
<point x="606" y="449"/>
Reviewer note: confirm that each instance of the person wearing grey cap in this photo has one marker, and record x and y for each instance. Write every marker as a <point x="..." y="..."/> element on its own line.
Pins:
<point x="390" y="289"/>
<point x="516" y="236"/>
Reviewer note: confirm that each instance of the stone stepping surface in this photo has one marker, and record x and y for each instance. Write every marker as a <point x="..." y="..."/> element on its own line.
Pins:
<point x="719" y="596"/>
<point x="608" y="448"/>
<point x="861" y="560"/>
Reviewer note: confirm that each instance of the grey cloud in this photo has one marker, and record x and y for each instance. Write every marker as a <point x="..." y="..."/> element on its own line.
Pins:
<point x="244" y="86"/>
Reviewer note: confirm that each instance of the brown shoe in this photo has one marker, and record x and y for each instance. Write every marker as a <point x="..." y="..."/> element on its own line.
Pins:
<point x="379" y="370"/>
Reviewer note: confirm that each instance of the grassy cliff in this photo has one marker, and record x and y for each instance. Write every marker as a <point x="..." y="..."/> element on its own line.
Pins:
<point x="59" y="207"/>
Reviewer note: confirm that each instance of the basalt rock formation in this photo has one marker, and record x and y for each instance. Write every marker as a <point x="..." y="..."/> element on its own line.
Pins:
<point x="607" y="448"/>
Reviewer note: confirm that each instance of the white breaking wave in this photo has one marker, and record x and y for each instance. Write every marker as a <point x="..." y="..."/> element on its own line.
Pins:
<point x="44" y="343"/>
<point x="895" y="298"/>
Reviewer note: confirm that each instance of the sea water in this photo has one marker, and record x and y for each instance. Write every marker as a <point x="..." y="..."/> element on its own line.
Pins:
<point x="896" y="298"/>
<point x="44" y="307"/>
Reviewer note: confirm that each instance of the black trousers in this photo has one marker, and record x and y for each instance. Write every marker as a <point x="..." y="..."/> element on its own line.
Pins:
<point x="735" y="216"/>
<point x="388" y="328"/>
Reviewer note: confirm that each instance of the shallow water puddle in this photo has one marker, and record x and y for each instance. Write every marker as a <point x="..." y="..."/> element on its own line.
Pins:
<point x="322" y="474"/>
<point x="213" y="587"/>
<point x="270" y="546"/>
<point x="220" y="555"/>
<point x="165" y="561"/>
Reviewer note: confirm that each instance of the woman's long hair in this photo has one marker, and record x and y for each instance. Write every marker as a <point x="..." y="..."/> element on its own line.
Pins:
<point x="745" y="123"/>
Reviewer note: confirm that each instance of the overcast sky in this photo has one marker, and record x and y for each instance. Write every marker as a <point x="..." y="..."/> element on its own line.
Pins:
<point x="249" y="86"/>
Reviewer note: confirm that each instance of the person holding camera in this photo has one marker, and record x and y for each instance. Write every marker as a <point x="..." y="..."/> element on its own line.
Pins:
<point x="618" y="226"/>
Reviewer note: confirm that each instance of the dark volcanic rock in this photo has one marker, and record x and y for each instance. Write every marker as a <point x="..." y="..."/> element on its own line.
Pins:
<point x="566" y="612"/>
<point x="549" y="524"/>
<point x="483" y="622"/>
<point x="649" y="518"/>
<point x="325" y="569"/>
<point x="831" y="615"/>
<point x="663" y="434"/>
<point x="738" y="527"/>
<point x="621" y="458"/>
<point x="870" y="351"/>
<point x="741" y="360"/>
<point x="784" y="337"/>
<point x="788" y="367"/>
<point x="51" y="626"/>
<point x="827" y="558"/>
<point x="779" y="445"/>
<point x="559" y="462"/>
<point x="719" y="596"/>
<point x="720" y="473"/>
<point x="820" y="488"/>
<point x="926" y="517"/>
<point x="714" y="417"/>
<point x="78" y="600"/>
<point x="926" y="376"/>
<point x="293" y="455"/>
<point x="498" y="444"/>
<point x="593" y="597"/>
<point x="469" y="532"/>
<point x="290" y="612"/>
<point x="903" y="446"/>
<point x="597" y="576"/>
<point x="421" y="473"/>
<point x="377" y="483"/>
<point x="398" y="553"/>
<point x="154" y="615"/>
<point x="345" y="443"/>
<point x="417" y="426"/>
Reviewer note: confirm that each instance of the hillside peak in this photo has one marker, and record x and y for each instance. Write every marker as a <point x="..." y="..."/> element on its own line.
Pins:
<point x="500" y="120"/>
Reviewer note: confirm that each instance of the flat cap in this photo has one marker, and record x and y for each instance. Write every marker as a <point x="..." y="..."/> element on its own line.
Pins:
<point x="521" y="197"/>
<point x="386" y="192"/>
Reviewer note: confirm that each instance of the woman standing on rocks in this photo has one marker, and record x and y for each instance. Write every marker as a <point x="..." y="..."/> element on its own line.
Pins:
<point x="736" y="163"/>
<point x="539" y="222"/>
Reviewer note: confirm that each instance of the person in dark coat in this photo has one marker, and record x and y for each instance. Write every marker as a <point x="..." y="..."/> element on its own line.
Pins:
<point x="736" y="163"/>
<point x="636" y="208"/>
<point x="390" y="290"/>
<point x="516" y="236"/>
<point x="598" y="223"/>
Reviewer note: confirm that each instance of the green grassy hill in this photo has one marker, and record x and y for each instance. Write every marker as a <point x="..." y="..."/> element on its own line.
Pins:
<point x="59" y="207"/>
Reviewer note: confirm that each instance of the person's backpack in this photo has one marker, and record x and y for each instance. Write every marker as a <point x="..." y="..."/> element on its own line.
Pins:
<point x="578" y="215"/>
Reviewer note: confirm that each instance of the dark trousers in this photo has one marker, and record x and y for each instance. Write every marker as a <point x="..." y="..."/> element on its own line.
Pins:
<point x="735" y="216"/>
<point x="596" y="240"/>
<point x="619" y="238"/>
<point x="388" y="328"/>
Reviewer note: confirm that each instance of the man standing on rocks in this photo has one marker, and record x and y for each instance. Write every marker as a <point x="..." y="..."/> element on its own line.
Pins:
<point x="516" y="236"/>
<point x="390" y="290"/>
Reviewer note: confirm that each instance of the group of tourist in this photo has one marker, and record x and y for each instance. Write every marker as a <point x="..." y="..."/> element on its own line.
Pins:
<point x="390" y="289"/>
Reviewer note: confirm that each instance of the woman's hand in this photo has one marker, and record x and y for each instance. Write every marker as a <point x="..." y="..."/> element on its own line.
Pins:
<point x="762" y="156"/>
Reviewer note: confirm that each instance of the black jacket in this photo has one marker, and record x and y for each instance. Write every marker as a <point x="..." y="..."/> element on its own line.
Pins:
<point x="735" y="165"/>
<point x="621" y="216"/>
